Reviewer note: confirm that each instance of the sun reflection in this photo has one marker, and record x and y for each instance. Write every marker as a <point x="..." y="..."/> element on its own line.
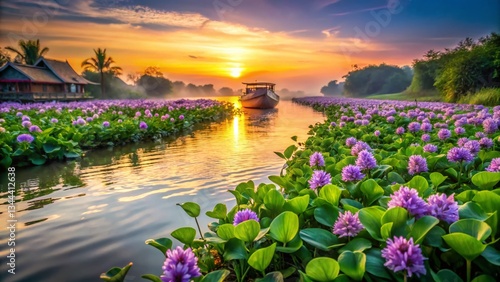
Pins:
<point x="236" y="128"/>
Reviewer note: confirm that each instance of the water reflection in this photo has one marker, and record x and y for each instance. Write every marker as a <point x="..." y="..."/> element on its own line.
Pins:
<point x="96" y="212"/>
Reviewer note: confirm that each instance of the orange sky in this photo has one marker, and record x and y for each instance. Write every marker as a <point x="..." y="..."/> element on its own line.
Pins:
<point x="194" y="47"/>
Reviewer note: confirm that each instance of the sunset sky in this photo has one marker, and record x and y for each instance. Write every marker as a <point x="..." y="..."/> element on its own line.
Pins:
<point x="300" y="45"/>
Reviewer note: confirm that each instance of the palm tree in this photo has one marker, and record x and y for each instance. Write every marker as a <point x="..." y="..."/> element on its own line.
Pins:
<point x="101" y="63"/>
<point x="30" y="51"/>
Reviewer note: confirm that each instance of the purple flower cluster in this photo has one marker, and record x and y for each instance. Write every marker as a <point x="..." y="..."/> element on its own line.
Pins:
<point x="494" y="165"/>
<point x="316" y="159"/>
<point x="443" y="208"/>
<point x="490" y="126"/>
<point x="414" y="127"/>
<point x="319" y="179"/>
<point x="347" y="225"/>
<point x="430" y="148"/>
<point x="358" y="147"/>
<point x="351" y="141"/>
<point x="25" y="138"/>
<point x="352" y="173"/>
<point x="473" y="146"/>
<point x="244" y="215"/>
<point x="403" y="255"/>
<point x="486" y="142"/>
<point x="417" y="164"/>
<point x="180" y="266"/>
<point x="400" y="131"/>
<point x="426" y="137"/>
<point x="409" y="199"/>
<point x="366" y="160"/>
<point x="426" y="127"/>
<point x="143" y="125"/>
<point x="444" y="134"/>
<point x="461" y="141"/>
<point x="460" y="154"/>
<point x="105" y="124"/>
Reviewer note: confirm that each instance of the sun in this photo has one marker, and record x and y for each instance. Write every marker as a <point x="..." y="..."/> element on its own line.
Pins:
<point x="235" y="72"/>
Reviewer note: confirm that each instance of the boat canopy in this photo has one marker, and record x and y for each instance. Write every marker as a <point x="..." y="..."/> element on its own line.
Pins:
<point x="260" y="85"/>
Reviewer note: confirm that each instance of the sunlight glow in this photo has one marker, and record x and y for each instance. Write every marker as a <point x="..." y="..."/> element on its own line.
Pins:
<point x="235" y="72"/>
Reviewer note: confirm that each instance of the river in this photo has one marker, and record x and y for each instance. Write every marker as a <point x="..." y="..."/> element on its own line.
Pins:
<point x="77" y="219"/>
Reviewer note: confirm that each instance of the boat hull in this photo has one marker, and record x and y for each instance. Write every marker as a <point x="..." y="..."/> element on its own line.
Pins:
<point x="260" y="100"/>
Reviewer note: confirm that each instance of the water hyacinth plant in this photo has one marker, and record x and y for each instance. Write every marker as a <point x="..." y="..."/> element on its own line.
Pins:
<point x="393" y="207"/>
<point x="64" y="130"/>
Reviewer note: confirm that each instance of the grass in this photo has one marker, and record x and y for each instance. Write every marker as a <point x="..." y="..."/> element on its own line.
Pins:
<point x="408" y="96"/>
<point x="486" y="97"/>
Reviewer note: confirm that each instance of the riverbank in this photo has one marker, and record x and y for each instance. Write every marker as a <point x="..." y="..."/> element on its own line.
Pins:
<point x="33" y="134"/>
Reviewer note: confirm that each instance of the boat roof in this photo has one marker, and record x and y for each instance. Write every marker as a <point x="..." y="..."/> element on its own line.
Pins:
<point x="258" y="83"/>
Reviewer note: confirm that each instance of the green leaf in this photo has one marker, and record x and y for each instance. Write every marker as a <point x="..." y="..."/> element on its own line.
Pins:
<point x="356" y="245"/>
<point x="247" y="230"/>
<point x="398" y="217"/>
<point x="489" y="201"/>
<point x="486" y="180"/>
<point x="298" y="204"/>
<point x="326" y="214"/>
<point x="274" y="201"/>
<point x="319" y="238"/>
<point x="226" y="231"/>
<point x="192" y="209"/>
<point x="274" y="276"/>
<point x="372" y="191"/>
<point x="235" y="249"/>
<point x="116" y="274"/>
<point x="279" y="154"/>
<point x="162" y="244"/>
<point x="151" y="277"/>
<point x="284" y="227"/>
<point x="38" y="160"/>
<point x="323" y="269"/>
<point x="261" y="258"/>
<point x="395" y="177"/>
<point x="484" y="278"/>
<point x="434" y="237"/>
<point x="375" y="264"/>
<point x="473" y="227"/>
<point x="353" y="264"/>
<point x="445" y="275"/>
<point x="486" y="156"/>
<point x="419" y="183"/>
<point x="385" y="230"/>
<point x="465" y="245"/>
<point x="437" y="178"/>
<point x="421" y="227"/>
<point x="472" y="210"/>
<point x="71" y="155"/>
<point x="219" y="212"/>
<point x="492" y="255"/>
<point x="331" y="193"/>
<point x="216" y="276"/>
<point x="278" y="180"/>
<point x="51" y="147"/>
<point x="371" y="217"/>
<point x="344" y="162"/>
<point x="289" y="151"/>
<point x="185" y="235"/>
<point x="292" y="246"/>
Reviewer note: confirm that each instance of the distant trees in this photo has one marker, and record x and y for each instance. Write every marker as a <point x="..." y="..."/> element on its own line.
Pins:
<point x="226" y="91"/>
<point x="4" y="57"/>
<point x="376" y="79"/>
<point x="29" y="51"/>
<point x="461" y="71"/>
<point x="101" y="64"/>
<point x="333" y="88"/>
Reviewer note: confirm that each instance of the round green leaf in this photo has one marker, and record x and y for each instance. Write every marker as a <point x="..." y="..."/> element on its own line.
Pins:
<point x="319" y="238"/>
<point x="398" y="217"/>
<point x="371" y="219"/>
<point x="297" y="205"/>
<point x="162" y="244"/>
<point x="437" y="178"/>
<point x="465" y="245"/>
<point x="192" y="209"/>
<point x="219" y="212"/>
<point x="356" y="245"/>
<point x="421" y="227"/>
<point x="261" y="258"/>
<point x="353" y="264"/>
<point x="485" y="180"/>
<point x="371" y="190"/>
<point x="216" y="276"/>
<point x="472" y="210"/>
<point x="326" y="214"/>
<point x="292" y="246"/>
<point x="185" y="234"/>
<point x="472" y="227"/>
<point x="331" y="193"/>
<point x="247" y="230"/>
<point x="323" y="269"/>
<point x="419" y="183"/>
<point x="235" y="249"/>
<point x="225" y="231"/>
<point x="284" y="227"/>
<point x="274" y="201"/>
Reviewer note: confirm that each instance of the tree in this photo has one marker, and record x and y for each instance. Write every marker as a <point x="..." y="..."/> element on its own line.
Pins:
<point x="226" y="91"/>
<point x="155" y="86"/>
<point x="4" y="57"/>
<point x="29" y="51"/>
<point x="101" y="63"/>
<point x="375" y="79"/>
<point x="333" y="88"/>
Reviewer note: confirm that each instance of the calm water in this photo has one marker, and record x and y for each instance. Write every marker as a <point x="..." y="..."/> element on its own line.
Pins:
<point x="78" y="219"/>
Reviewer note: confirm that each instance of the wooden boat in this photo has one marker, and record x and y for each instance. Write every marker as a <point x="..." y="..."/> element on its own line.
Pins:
<point x="259" y="95"/>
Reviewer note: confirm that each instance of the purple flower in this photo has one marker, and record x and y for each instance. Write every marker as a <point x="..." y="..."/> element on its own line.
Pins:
<point x="490" y="126"/>
<point x="426" y="127"/>
<point x="443" y="208"/>
<point x="351" y="141"/>
<point x="417" y="164"/>
<point x="35" y="128"/>
<point x="244" y="215"/>
<point x="105" y="124"/>
<point x="494" y="165"/>
<point x="444" y="134"/>
<point x="473" y="146"/>
<point x="26" y="123"/>
<point x="414" y="127"/>
<point x="80" y="121"/>
<point x="89" y="119"/>
<point x="408" y="198"/>
<point x="143" y="125"/>
<point x="316" y="159"/>
<point x="181" y="117"/>
<point x="352" y="173"/>
<point x="426" y="137"/>
<point x="376" y="133"/>
<point x="347" y="225"/>
<point x="400" y="131"/>
<point x="366" y="160"/>
<point x="138" y="114"/>
<point x="333" y="124"/>
<point x="180" y="266"/>
<point x="54" y="120"/>
<point x="486" y="143"/>
<point x="480" y="134"/>
<point x="172" y="119"/>
<point x="358" y="147"/>
<point x="459" y="154"/>
<point x="459" y="130"/>
<point x="430" y="148"/>
<point x="25" y="138"/>
<point x="25" y="118"/>
<point x="461" y="141"/>
<point x="403" y="255"/>
<point x="319" y="179"/>
<point x="390" y="119"/>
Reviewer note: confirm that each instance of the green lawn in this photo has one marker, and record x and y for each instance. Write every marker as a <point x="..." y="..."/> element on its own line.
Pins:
<point x="402" y="96"/>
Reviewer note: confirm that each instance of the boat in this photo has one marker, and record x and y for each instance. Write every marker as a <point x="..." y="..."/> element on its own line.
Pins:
<point x="259" y="95"/>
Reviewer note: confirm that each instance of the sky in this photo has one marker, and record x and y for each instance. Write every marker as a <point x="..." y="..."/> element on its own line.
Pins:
<point x="298" y="44"/>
